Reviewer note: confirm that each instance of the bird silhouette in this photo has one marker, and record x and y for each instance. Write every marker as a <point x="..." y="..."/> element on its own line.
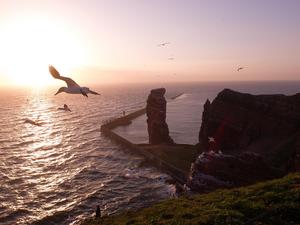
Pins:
<point x="211" y="139"/>
<point x="163" y="44"/>
<point x="73" y="87"/>
<point x="65" y="108"/>
<point x="240" y="68"/>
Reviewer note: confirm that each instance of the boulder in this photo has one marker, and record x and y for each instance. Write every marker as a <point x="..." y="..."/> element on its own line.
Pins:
<point x="213" y="170"/>
<point x="158" y="129"/>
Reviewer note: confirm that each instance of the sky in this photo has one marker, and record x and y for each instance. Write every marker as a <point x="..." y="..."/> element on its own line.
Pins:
<point x="117" y="41"/>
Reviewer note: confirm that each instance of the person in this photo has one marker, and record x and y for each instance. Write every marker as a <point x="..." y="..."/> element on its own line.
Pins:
<point x="98" y="212"/>
<point x="123" y="113"/>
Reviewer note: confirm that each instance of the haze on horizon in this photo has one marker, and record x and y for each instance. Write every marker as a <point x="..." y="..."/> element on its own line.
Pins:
<point x="116" y="41"/>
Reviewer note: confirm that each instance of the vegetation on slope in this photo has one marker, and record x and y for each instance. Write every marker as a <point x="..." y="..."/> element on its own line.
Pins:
<point x="275" y="202"/>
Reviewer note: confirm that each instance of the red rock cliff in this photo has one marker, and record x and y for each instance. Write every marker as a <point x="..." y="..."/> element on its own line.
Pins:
<point x="247" y="138"/>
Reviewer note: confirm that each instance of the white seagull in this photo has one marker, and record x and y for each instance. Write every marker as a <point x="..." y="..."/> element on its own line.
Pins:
<point x="240" y="68"/>
<point x="32" y="122"/>
<point x="73" y="87"/>
<point x="65" y="108"/>
<point x="163" y="44"/>
<point x="211" y="139"/>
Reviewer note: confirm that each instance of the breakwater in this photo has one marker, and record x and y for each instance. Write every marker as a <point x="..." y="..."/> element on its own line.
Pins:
<point x="165" y="157"/>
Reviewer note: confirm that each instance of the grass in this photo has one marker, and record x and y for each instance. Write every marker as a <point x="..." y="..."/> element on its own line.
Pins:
<point x="275" y="202"/>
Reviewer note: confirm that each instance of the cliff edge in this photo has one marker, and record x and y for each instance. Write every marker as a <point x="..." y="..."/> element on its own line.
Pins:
<point x="246" y="138"/>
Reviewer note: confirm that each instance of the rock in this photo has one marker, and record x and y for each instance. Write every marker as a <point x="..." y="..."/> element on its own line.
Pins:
<point x="265" y="124"/>
<point x="204" y="127"/>
<point x="246" y="138"/>
<point x="214" y="170"/>
<point x="156" y="112"/>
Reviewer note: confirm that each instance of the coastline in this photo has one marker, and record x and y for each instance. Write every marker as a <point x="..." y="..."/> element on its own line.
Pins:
<point x="158" y="155"/>
<point x="211" y="168"/>
<point x="270" y="202"/>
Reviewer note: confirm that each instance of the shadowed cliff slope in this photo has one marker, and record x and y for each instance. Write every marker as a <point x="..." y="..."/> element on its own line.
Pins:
<point x="273" y="202"/>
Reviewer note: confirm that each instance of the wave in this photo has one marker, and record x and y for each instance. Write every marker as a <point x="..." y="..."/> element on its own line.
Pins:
<point x="55" y="219"/>
<point x="9" y="217"/>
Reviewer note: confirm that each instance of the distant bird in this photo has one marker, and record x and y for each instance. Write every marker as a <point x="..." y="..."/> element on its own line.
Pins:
<point x="171" y="58"/>
<point x="32" y="122"/>
<point x="73" y="87"/>
<point x="211" y="139"/>
<point x="240" y="68"/>
<point x="65" y="108"/>
<point x="163" y="44"/>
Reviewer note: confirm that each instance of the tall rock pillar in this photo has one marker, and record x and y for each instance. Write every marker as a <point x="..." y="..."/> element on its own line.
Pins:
<point x="156" y="118"/>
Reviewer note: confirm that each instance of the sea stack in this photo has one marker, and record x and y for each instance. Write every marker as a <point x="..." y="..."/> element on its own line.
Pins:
<point x="158" y="129"/>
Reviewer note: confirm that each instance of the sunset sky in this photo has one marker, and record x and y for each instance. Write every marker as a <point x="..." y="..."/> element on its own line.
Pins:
<point x="116" y="41"/>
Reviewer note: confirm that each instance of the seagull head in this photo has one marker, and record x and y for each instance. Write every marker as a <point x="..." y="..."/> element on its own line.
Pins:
<point x="62" y="89"/>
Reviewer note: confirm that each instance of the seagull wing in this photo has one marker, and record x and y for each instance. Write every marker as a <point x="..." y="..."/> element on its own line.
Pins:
<point x="55" y="74"/>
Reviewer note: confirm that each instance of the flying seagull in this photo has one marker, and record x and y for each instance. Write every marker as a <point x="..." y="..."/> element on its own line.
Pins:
<point x="240" y="68"/>
<point x="171" y="58"/>
<point x="65" y="108"/>
<point x="73" y="87"/>
<point x="32" y="122"/>
<point x="163" y="44"/>
<point x="211" y="139"/>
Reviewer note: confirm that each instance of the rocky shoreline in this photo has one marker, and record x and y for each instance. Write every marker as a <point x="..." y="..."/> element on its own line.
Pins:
<point x="243" y="139"/>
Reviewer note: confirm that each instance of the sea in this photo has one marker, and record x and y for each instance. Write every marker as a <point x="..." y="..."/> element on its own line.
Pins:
<point x="58" y="172"/>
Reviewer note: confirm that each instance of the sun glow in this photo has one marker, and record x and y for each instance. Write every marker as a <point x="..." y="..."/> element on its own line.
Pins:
<point x="28" y="45"/>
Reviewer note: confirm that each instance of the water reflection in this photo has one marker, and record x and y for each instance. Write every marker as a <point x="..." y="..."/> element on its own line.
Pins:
<point x="63" y="168"/>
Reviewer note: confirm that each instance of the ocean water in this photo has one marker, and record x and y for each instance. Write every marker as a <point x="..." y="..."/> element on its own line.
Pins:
<point x="58" y="172"/>
<point x="184" y="114"/>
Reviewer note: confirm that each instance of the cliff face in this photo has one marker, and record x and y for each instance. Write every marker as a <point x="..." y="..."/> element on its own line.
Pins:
<point x="158" y="129"/>
<point x="214" y="170"/>
<point x="267" y="126"/>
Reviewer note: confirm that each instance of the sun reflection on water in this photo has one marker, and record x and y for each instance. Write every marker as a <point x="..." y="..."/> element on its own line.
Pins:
<point x="64" y="165"/>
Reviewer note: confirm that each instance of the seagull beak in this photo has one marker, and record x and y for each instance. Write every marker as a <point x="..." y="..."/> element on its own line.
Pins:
<point x="94" y="92"/>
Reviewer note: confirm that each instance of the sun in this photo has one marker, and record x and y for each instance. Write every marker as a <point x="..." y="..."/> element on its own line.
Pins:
<point x="28" y="45"/>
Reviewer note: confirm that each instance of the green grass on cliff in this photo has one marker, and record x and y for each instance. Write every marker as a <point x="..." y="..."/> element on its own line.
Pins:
<point x="275" y="202"/>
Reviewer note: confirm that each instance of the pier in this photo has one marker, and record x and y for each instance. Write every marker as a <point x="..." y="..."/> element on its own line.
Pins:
<point x="174" y="160"/>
